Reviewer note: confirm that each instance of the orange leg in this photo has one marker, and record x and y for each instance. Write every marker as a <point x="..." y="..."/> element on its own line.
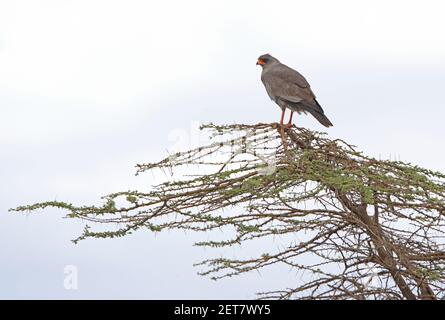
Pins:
<point x="282" y="117"/>
<point x="281" y="129"/>
<point x="289" y="124"/>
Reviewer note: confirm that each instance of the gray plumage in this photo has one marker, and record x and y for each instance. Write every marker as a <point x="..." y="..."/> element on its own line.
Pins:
<point x="289" y="89"/>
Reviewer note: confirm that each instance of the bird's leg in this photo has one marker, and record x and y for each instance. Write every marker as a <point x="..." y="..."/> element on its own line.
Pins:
<point x="289" y="124"/>
<point x="282" y="117"/>
<point x="281" y="129"/>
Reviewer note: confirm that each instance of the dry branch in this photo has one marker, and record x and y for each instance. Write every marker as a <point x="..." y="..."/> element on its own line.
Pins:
<point x="372" y="229"/>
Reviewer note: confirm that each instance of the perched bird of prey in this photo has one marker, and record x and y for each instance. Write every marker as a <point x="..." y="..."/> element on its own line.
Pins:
<point x="289" y="89"/>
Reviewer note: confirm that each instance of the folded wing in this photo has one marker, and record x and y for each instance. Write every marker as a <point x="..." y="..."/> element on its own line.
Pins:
<point x="290" y="86"/>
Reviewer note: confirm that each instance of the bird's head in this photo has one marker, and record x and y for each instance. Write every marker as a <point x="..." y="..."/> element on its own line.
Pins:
<point x="265" y="60"/>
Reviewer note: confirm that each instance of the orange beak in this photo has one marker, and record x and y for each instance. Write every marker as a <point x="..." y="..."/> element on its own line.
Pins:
<point x="260" y="62"/>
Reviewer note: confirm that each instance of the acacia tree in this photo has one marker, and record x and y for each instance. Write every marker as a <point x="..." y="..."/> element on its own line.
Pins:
<point x="369" y="229"/>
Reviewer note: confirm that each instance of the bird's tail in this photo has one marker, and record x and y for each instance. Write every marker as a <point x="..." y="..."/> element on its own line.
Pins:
<point x="321" y="118"/>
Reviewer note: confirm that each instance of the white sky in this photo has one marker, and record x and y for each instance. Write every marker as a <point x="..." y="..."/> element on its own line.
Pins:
<point x="90" y="88"/>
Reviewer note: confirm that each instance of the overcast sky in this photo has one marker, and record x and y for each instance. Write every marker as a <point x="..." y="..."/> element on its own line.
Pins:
<point x="90" y="88"/>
